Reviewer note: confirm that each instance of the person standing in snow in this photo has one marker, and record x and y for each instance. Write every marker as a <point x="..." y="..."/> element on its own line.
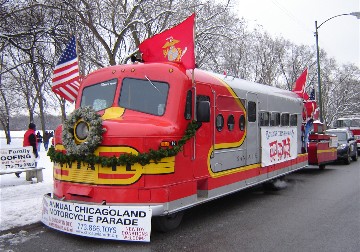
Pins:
<point x="30" y="140"/>
<point x="46" y="139"/>
<point x="39" y="140"/>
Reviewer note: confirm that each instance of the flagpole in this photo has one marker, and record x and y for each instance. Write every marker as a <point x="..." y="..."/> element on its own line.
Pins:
<point x="194" y="87"/>
<point x="77" y="54"/>
<point x="195" y="117"/>
<point x="193" y="72"/>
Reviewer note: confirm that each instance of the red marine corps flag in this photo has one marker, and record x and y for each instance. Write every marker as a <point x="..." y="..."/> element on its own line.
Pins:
<point x="299" y="85"/>
<point x="65" y="79"/>
<point x="175" y="44"/>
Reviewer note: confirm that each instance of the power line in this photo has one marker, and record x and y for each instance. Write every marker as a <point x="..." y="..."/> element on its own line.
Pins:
<point x="292" y="16"/>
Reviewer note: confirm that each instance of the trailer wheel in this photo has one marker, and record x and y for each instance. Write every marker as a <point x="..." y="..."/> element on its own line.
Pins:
<point x="168" y="222"/>
<point x="348" y="159"/>
<point x="322" y="167"/>
<point x="355" y="157"/>
<point x="269" y="186"/>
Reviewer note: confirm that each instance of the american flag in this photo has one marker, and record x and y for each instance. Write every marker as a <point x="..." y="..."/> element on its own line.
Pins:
<point x="65" y="79"/>
<point x="312" y="94"/>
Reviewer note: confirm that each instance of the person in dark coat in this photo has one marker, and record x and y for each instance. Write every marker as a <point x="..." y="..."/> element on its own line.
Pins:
<point x="46" y="139"/>
<point x="39" y="139"/>
<point x="30" y="140"/>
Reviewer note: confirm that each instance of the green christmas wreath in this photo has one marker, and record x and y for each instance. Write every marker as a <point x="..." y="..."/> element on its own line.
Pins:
<point x="94" y="136"/>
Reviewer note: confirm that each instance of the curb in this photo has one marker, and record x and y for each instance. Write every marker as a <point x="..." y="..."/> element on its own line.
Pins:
<point x="27" y="228"/>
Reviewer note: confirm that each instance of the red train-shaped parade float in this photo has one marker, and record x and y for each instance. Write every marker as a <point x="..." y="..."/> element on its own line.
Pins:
<point x="148" y="141"/>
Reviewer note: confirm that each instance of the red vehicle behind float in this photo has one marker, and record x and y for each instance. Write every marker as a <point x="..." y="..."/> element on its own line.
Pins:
<point x="321" y="147"/>
<point x="169" y="140"/>
<point x="353" y="123"/>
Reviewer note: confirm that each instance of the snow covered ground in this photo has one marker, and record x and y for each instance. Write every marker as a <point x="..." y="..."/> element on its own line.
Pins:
<point x="21" y="200"/>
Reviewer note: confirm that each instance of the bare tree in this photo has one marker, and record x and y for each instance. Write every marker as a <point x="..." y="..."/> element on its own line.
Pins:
<point x="110" y="31"/>
<point x="5" y="107"/>
<point x="25" y="27"/>
<point x="8" y="102"/>
<point x="341" y="90"/>
<point x="294" y="61"/>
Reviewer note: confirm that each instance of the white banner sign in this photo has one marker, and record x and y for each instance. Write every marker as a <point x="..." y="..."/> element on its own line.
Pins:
<point x="278" y="144"/>
<point x="98" y="221"/>
<point x="17" y="158"/>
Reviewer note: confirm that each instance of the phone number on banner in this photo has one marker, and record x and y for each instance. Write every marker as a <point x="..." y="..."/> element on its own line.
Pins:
<point x="98" y="221"/>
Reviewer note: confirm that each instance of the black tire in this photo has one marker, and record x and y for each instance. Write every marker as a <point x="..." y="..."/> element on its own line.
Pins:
<point x="167" y="223"/>
<point x="268" y="186"/>
<point x="348" y="159"/>
<point x="322" y="167"/>
<point x="355" y="157"/>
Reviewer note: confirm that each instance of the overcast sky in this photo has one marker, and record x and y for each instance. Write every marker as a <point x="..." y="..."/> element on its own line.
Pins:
<point x="295" y="20"/>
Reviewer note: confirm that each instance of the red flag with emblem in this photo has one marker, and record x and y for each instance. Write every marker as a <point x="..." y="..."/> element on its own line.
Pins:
<point x="299" y="85"/>
<point x="174" y="45"/>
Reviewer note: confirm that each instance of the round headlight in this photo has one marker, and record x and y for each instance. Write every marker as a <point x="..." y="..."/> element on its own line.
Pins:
<point x="82" y="130"/>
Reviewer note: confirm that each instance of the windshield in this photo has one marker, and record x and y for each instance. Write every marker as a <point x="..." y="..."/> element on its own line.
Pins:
<point x="342" y="123"/>
<point x="355" y="123"/>
<point x="342" y="136"/>
<point x="144" y="95"/>
<point x="99" y="96"/>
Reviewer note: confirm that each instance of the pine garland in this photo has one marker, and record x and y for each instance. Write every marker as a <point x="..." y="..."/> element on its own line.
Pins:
<point x="126" y="158"/>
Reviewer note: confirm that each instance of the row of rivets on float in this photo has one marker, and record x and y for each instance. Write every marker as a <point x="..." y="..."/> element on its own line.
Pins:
<point x="133" y="70"/>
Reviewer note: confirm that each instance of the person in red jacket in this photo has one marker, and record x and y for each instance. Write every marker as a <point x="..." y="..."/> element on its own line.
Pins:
<point x="30" y="140"/>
